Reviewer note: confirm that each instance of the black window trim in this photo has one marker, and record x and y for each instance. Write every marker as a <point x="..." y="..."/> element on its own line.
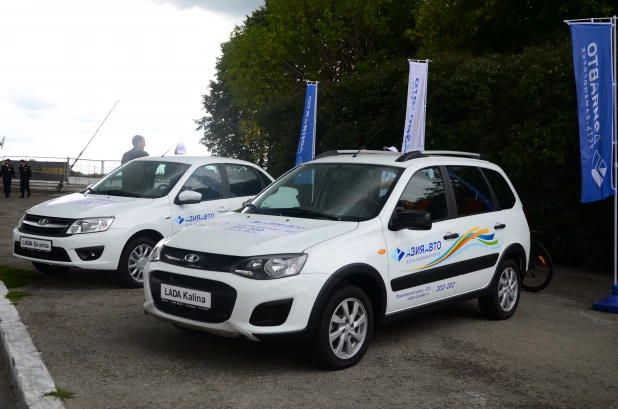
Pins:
<point x="454" y="200"/>
<point x="223" y="182"/>
<point x="498" y="206"/>
<point x="227" y="188"/>
<point x="448" y="194"/>
<point x="262" y="177"/>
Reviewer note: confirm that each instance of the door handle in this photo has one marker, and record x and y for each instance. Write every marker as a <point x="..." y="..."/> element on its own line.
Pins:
<point x="451" y="236"/>
<point x="223" y="209"/>
<point x="499" y="226"/>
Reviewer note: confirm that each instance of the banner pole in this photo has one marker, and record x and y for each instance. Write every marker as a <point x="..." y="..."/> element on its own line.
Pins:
<point x="615" y="115"/>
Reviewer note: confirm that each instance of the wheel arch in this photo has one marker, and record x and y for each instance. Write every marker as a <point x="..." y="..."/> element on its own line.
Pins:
<point x="516" y="253"/>
<point x="150" y="233"/>
<point x="363" y="276"/>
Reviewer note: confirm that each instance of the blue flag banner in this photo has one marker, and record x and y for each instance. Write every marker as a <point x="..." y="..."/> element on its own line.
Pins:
<point x="592" y="59"/>
<point x="306" y="143"/>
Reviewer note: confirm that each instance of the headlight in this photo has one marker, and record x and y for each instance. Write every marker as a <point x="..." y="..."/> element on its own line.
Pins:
<point x="269" y="267"/>
<point x="21" y="221"/>
<point x="90" y="225"/>
<point x="156" y="252"/>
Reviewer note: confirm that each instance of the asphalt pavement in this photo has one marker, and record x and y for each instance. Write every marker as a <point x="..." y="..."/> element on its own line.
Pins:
<point x="555" y="352"/>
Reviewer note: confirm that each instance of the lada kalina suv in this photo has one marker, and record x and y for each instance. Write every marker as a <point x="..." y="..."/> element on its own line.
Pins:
<point x="343" y="243"/>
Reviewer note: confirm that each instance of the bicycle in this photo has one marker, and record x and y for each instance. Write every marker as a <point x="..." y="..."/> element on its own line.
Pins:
<point x="540" y="267"/>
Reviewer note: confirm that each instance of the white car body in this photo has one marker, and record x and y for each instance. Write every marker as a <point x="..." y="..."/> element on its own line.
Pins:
<point x="366" y="253"/>
<point x="132" y="217"/>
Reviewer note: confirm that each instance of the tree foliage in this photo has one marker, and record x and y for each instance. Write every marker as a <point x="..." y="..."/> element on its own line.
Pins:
<point x="500" y="82"/>
<point x="499" y="25"/>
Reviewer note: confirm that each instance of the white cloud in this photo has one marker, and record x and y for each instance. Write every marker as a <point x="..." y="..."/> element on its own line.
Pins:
<point x="65" y="63"/>
<point x="231" y="7"/>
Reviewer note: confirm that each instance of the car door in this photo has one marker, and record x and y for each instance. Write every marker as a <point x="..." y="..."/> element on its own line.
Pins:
<point x="244" y="183"/>
<point x="208" y="181"/>
<point x="479" y="225"/>
<point x="423" y="263"/>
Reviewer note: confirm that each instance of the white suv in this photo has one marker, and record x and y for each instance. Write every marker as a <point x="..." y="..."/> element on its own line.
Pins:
<point x="115" y="224"/>
<point x="343" y="243"/>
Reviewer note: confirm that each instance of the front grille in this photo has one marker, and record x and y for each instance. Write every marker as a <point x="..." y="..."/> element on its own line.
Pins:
<point x="54" y="226"/>
<point x="56" y="253"/>
<point x="206" y="261"/>
<point x="223" y="297"/>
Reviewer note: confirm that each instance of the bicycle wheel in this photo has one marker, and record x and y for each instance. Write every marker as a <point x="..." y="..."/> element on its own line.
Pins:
<point x="540" y="268"/>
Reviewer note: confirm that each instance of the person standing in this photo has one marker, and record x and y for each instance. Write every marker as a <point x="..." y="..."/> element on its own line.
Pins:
<point x="139" y="143"/>
<point x="7" y="171"/>
<point x="25" y="173"/>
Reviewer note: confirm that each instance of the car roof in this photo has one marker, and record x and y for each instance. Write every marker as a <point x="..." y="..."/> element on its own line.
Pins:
<point x="195" y="160"/>
<point x="404" y="160"/>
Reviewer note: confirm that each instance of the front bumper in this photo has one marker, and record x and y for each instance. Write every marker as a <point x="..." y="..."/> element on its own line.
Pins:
<point x="64" y="249"/>
<point x="235" y="318"/>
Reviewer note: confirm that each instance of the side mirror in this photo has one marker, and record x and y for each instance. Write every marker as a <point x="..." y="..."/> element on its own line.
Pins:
<point x="188" y="197"/>
<point x="246" y="202"/>
<point x="410" y="219"/>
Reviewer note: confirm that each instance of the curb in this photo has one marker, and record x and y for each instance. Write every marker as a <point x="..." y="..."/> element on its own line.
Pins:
<point x="28" y="370"/>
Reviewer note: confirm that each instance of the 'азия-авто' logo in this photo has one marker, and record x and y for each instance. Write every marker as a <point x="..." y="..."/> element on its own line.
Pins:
<point x="473" y="238"/>
<point x="179" y="220"/>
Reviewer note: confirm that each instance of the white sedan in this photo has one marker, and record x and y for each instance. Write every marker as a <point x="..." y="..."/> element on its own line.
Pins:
<point x="115" y="224"/>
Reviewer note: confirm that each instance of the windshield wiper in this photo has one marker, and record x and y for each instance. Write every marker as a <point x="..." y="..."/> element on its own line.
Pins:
<point x="116" y="193"/>
<point x="306" y="212"/>
<point x="261" y="210"/>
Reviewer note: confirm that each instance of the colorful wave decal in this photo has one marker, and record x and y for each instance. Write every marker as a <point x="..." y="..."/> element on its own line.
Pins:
<point x="473" y="238"/>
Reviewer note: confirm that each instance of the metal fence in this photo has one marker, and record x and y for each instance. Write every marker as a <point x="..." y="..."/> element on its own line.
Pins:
<point x="54" y="173"/>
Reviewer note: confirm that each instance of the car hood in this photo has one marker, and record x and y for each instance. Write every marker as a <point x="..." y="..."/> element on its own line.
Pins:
<point x="242" y="234"/>
<point x="80" y="205"/>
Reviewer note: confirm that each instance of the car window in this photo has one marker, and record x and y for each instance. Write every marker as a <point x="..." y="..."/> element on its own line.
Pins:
<point x="243" y="180"/>
<point x="146" y="179"/>
<point x="347" y="192"/>
<point x="263" y="178"/>
<point x="425" y="191"/>
<point x="471" y="192"/>
<point x="207" y="181"/>
<point x="503" y="191"/>
<point x="387" y="179"/>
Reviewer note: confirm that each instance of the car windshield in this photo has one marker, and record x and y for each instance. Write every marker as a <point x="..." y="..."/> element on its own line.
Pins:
<point x="333" y="191"/>
<point x="144" y="179"/>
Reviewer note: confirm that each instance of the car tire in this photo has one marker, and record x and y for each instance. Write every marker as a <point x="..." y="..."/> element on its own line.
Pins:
<point x="345" y="350"/>
<point x="50" y="269"/>
<point x="134" y="255"/>
<point x="502" y="301"/>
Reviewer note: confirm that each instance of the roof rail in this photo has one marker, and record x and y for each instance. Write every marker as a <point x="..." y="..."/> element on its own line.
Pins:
<point x="456" y="153"/>
<point x="410" y="155"/>
<point x="406" y="156"/>
<point x="353" y="151"/>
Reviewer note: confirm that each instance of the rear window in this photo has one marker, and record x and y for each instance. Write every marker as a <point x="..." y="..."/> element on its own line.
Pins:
<point x="471" y="192"/>
<point x="503" y="191"/>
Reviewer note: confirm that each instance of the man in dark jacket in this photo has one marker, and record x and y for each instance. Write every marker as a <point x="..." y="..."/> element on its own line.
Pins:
<point x="25" y="173"/>
<point x="7" y="171"/>
<point x="139" y="142"/>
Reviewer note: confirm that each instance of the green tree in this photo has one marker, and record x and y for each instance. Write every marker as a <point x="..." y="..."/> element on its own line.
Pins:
<point x="500" y="25"/>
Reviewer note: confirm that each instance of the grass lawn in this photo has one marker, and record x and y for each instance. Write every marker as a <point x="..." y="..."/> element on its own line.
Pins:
<point x="17" y="277"/>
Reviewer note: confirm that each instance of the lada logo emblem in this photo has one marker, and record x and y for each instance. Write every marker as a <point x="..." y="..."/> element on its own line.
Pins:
<point x="43" y="221"/>
<point x="192" y="258"/>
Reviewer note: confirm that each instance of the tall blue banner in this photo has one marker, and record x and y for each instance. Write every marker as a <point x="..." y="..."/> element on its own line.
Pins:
<point x="306" y="143"/>
<point x="592" y="59"/>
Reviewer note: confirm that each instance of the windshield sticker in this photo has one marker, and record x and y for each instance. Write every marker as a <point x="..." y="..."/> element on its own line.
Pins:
<point x="94" y="202"/>
<point x="257" y="227"/>
<point x="432" y="251"/>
